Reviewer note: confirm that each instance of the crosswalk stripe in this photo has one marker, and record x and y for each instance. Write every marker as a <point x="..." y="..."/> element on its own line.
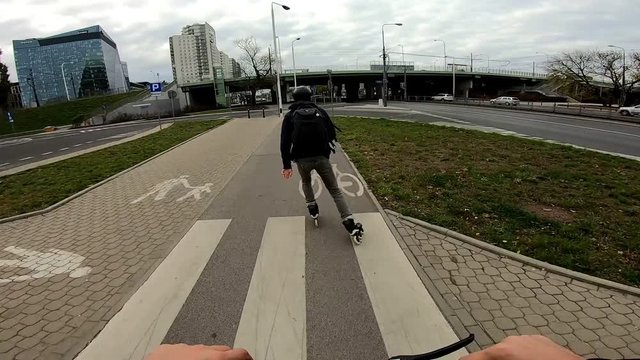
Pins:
<point x="145" y="319"/>
<point x="273" y="321"/>
<point x="409" y="319"/>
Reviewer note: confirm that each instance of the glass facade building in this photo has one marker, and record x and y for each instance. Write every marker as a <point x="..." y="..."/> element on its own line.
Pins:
<point x="87" y="57"/>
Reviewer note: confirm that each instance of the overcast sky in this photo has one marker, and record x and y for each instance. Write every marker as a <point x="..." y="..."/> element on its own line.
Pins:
<point x="337" y="33"/>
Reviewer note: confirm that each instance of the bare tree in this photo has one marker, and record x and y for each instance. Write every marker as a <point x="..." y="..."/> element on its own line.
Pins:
<point x="591" y="70"/>
<point x="255" y="66"/>
<point x="5" y="85"/>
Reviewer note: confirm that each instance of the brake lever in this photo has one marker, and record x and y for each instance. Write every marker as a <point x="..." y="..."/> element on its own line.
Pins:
<point x="438" y="353"/>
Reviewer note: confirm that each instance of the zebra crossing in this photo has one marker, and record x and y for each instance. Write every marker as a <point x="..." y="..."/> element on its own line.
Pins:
<point x="273" y="322"/>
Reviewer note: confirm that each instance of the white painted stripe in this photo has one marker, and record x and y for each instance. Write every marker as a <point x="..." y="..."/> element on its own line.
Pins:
<point x="145" y="319"/>
<point x="5" y="164"/>
<point x="89" y="142"/>
<point x="273" y="322"/>
<point x="47" y="153"/>
<point x="76" y="145"/>
<point x="63" y="149"/>
<point x="27" y="158"/>
<point x="409" y="320"/>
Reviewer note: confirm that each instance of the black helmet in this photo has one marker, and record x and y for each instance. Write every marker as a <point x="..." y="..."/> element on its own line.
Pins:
<point x="302" y="93"/>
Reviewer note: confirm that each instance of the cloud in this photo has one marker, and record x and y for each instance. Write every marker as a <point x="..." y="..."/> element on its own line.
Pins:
<point x="336" y="32"/>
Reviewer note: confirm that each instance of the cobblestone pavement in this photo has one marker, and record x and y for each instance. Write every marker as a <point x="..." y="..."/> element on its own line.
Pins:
<point x="494" y="297"/>
<point x="50" y="308"/>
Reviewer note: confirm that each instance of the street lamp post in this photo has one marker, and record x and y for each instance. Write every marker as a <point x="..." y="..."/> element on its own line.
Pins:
<point x="624" y="72"/>
<point x="404" y="66"/>
<point x="444" y="47"/>
<point x="273" y="28"/>
<point x="293" y="55"/>
<point x="384" y="66"/>
<point x="156" y="74"/>
<point x="64" y="79"/>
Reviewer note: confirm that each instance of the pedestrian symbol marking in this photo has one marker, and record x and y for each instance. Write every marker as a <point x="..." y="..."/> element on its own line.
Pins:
<point x="44" y="265"/>
<point x="162" y="189"/>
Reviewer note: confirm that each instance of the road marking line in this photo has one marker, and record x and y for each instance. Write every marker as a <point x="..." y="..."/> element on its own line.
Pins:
<point x="89" y="142"/>
<point x="27" y="158"/>
<point x="569" y="125"/>
<point x="273" y="322"/>
<point x="63" y="149"/>
<point x="5" y="164"/>
<point x="144" y="320"/>
<point x="76" y="145"/>
<point x="409" y="320"/>
<point x="47" y="153"/>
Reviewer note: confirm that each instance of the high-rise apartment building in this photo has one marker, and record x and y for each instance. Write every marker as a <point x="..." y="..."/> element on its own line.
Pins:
<point x="195" y="55"/>
<point x="78" y="63"/>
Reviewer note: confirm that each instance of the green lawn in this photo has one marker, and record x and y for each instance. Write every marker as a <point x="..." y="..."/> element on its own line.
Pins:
<point x="41" y="187"/>
<point x="573" y="208"/>
<point x="62" y="113"/>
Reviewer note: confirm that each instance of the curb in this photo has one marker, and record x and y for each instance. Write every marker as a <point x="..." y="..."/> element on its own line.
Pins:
<point x="574" y="275"/>
<point x="82" y="192"/>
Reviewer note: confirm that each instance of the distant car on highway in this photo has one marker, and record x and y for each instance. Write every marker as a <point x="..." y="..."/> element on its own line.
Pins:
<point x="505" y="100"/>
<point x="629" y="110"/>
<point x="442" y="97"/>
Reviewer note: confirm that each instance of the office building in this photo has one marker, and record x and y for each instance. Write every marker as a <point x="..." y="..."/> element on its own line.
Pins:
<point x="79" y="63"/>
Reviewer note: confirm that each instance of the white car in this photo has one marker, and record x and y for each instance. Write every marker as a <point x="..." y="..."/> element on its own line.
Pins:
<point x="505" y="100"/>
<point x="442" y="97"/>
<point x="629" y="110"/>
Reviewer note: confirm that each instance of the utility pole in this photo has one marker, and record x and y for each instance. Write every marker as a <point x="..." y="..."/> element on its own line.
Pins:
<point x="73" y="85"/>
<point x="32" y="83"/>
<point x="471" y="62"/>
<point x="534" y="69"/>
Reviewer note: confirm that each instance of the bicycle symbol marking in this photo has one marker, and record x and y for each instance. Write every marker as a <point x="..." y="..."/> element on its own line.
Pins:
<point x="346" y="183"/>
<point x="44" y="264"/>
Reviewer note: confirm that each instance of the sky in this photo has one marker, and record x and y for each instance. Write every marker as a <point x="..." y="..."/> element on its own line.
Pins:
<point x="512" y="34"/>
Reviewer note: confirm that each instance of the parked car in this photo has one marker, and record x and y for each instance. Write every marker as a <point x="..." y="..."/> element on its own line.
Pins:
<point x="630" y="110"/>
<point x="505" y="100"/>
<point x="442" y="97"/>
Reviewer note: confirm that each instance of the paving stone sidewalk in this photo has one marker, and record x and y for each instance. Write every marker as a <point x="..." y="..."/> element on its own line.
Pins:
<point x="56" y="313"/>
<point x="493" y="297"/>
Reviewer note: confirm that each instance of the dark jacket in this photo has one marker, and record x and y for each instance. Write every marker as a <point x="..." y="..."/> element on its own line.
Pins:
<point x="291" y="153"/>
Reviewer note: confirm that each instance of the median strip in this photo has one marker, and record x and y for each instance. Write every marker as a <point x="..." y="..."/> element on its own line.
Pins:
<point x="573" y="208"/>
<point x="46" y="185"/>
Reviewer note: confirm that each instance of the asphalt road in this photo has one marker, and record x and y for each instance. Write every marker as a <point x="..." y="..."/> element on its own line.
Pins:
<point x="24" y="150"/>
<point x="605" y="135"/>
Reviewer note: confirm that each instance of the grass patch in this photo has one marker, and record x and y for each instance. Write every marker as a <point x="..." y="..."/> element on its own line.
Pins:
<point x="44" y="186"/>
<point x="62" y="113"/>
<point x="573" y="208"/>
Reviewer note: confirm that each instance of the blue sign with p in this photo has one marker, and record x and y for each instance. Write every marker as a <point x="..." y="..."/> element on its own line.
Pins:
<point x="155" y="88"/>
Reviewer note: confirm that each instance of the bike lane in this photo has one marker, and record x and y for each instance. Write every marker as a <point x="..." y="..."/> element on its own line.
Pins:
<point x="284" y="289"/>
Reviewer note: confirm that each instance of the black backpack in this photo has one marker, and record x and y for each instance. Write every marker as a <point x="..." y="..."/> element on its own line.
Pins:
<point x="310" y="129"/>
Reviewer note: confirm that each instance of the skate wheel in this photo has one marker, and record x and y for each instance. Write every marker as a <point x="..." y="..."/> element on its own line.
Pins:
<point x="357" y="239"/>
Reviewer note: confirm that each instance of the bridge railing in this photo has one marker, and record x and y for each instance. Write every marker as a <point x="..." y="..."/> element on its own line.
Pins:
<point x="418" y="68"/>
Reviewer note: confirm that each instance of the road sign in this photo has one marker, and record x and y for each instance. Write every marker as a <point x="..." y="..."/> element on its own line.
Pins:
<point x="155" y="88"/>
<point x="172" y="94"/>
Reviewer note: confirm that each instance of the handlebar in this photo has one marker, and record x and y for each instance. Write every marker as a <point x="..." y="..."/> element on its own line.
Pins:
<point x="438" y="353"/>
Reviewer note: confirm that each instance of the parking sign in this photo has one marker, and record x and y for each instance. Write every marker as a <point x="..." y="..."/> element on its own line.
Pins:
<point x="155" y="88"/>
